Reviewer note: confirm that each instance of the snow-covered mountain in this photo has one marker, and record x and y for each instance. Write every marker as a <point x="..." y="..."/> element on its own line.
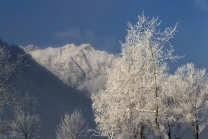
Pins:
<point x="81" y="67"/>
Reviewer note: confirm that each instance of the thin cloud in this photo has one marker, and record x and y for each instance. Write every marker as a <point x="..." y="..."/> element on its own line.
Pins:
<point x="181" y="29"/>
<point x="69" y="33"/>
<point x="201" y="4"/>
<point x="77" y="36"/>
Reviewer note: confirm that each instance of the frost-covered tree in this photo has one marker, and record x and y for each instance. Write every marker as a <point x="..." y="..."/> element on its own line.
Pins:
<point x="4" y="128"/>
<point x="9" y="93"/>
<point x="25" y="126"/>
<point x="171" y="116"/>
<point x="174" y="113"/>
<point x="115" y="107"/>
<point x="191" y="94"/>
<point x="72" y="126"/>
<point x="9" y="69"/>
<point x="108" y="124"/>
<point x="133" y="92"/>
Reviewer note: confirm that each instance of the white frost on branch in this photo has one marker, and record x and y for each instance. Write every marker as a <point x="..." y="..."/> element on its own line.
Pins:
<point x="72" y="126"/>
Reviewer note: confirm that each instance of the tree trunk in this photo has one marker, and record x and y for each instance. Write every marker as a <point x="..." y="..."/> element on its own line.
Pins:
<point x="142" y="135"/>
<point x="195" y="130"/>
<point x="196" y="135"/>
<point x="134" y="136"/>
<point x="169" y="130"/>
<point x="169" y="134"/>
<point x="156" y="94"/>
<point x="157" y="124"/>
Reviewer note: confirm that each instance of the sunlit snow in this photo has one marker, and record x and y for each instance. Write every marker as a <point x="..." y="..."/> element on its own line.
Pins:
<point x="81" y="67"/>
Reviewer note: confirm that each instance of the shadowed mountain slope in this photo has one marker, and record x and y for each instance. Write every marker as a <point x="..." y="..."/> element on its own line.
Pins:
<point x="53" y="95"/>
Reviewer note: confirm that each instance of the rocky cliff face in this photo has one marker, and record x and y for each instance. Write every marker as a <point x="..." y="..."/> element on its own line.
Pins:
<point x="81" y="67"/>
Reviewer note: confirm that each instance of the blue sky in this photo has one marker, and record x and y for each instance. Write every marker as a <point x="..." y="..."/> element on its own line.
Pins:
<point x="103" y="23"/>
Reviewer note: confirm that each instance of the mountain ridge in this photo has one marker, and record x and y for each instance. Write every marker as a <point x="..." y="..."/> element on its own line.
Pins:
<point x="81" y="67"/>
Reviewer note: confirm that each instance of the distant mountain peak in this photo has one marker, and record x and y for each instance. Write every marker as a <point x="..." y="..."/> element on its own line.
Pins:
<point x="73" y="50"/>
<point x="82" y="46"/>
<point x="30" y="47"/>
<point x="81" y="67"/>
